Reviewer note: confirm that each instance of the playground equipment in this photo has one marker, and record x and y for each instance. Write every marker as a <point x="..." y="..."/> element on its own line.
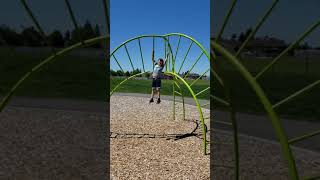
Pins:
<point x="55" y="53"/>
<point x="227" y="101"/>
<point x="173" y="68"/>
<point x="168" y="53"/>
<point x="233" y="60"/>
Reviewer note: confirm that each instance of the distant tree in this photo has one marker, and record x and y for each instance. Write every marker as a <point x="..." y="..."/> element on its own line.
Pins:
<point x="10" y="36"/>
<point x="113" y="73"/>
<point x="67" y="38"/>
<point x="56" y="39"/>
<point x="136" y="71"/>
<point x="234" y="37"/>
<point x="241" y="37"/>
<point x="96" y="34"/>
<point x="127" y="73"/>
<point x="83" y="32"/>
<point x="185" y="73"/>
<point x="120" y="73"/>
<point x="248" y="32"/>
<point x="31" y="37"/>
<point x="97" y="30"/>
<point x="75" y="36"/>
<point x="88" y="31"/>
<point x="305" y="46"/>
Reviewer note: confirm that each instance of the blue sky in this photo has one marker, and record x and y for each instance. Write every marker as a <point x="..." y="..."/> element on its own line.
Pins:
<point x="288" y="20"/>
<point x="140" y="17"/>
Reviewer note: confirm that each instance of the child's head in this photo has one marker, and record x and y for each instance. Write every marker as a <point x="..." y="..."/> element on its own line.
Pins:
<point x="161" y="62"/>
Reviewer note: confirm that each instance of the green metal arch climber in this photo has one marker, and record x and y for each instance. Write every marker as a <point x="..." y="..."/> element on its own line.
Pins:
<point x="83" y="43"/>
<point x="234" y="61"/>
<point x="55" y="54"/>
<point x="170" y="69"/>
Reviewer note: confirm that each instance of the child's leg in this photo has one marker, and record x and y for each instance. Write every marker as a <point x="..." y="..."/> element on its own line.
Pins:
<point x="153" y="86"/>
<point x="158" y="92"/>
<point x="158" y="87"/>
<point x="152" y="93"/>
<point x="158" y="101"/>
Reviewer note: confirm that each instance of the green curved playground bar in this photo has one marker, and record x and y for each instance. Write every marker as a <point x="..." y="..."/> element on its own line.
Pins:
<point x="170" y="71"/>
<point x="234" y="61"/>
<point x="179" y="81"/>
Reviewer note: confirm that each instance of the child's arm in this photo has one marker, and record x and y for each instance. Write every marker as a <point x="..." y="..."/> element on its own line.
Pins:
<point x="152" y="57"/>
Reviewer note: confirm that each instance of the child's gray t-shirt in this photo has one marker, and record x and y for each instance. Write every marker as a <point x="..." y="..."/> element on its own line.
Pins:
<point x="157" y="71"/>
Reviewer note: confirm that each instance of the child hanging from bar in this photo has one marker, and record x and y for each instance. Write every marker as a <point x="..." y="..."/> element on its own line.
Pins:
<point x="156" y="77"/>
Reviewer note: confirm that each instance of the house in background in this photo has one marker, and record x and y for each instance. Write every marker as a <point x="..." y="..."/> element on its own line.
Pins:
<point x="258" y="47"/>
<point x="265" y="47"/>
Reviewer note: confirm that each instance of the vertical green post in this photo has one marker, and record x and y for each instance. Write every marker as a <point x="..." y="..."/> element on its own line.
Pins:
<point x="183" y="106"/>
<point x="107" y="14"/>
<point x="182" y="96"/>
<point x="175" y="56"/>
<point x="170" y="59"/>
<point x="165" y="53"/>
<point x="204" y="136"/>
<point x="174" y="99"/>
<point x="282" y="137"/>
<point x="173" y="79"/>
<point x="141" y="55"/>
<point x="153" y="50"/>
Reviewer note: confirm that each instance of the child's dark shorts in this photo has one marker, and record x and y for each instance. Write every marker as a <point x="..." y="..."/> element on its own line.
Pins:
<point x="156" y="83"/>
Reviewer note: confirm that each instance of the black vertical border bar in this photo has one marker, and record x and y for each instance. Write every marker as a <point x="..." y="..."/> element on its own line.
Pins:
<point x="211" y="92"/>
<point x="107" y="66"/>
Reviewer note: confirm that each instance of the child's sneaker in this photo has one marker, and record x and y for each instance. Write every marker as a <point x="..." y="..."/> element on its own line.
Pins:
<point x="158" y="102"/>
<point x="151" y="100"/>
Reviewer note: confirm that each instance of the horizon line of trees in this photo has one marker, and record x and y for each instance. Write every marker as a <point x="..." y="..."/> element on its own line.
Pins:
<point x="137" y="71"/>
<point x="29" y="36"/>
<point x="126" y="73"/>
<point x="242" y="36"/>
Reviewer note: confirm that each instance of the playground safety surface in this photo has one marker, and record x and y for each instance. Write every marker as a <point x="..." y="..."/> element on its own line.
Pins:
<point x="145" y="144"/>
<point x="259" y="158"/>
<point x="44" y="143"/>
<point x="48" y="144"/>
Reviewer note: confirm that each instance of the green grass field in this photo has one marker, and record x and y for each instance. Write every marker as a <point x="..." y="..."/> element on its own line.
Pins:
<point x="144" y="86"/>
<point x="85" y="78"/>
<point x="287" y="77"/>
<point x="69" y="77"/>
<point x="286" y="65"/>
